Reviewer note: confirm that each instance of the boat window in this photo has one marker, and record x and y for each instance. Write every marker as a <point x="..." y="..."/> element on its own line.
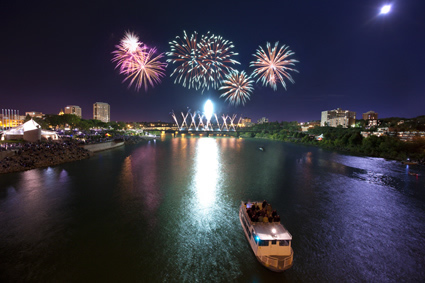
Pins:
<point x="283" y="243"/>
<point x="273" y="242"/>
<point x="264" y="243"/>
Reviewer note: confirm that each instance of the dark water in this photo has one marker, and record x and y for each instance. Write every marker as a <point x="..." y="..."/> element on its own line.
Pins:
<point x="167" y="211"/>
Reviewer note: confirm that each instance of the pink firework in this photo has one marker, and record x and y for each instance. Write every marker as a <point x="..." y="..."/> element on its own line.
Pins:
<point x="145" y="69"/>
<point x="129" y="47"/>
<point x="273" y="66"/>
<point x="238" y="87"/>
<point x="138" y="62"/>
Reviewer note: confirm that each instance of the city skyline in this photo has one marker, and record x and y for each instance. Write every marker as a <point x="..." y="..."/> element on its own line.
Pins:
<point x="350" y="57"/>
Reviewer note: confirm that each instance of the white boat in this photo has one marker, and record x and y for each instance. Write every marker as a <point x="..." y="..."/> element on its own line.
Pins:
<point x="270" y="242"/>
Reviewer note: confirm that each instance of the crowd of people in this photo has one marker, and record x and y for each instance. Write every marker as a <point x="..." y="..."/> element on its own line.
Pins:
<point x="262" y="212"/>
<point x="42" y="154"/>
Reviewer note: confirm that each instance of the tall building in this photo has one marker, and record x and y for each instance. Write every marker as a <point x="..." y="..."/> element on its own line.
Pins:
<point x="73" y="109"/>
<point x="102" y="112"/>
<point x="370" y="115"/>
<point x="338" y="117"/>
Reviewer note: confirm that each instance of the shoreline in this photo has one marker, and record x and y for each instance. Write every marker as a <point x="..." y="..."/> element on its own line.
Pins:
<point x="46" y="154"/>
<point x="41" y="155"/>
<point x="339" y="150"/>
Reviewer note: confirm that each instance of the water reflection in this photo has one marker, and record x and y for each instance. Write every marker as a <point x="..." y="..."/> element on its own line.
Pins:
<point x="204" y="217"/>
<point x="139" y="181"/>
<point x="206" y="175"/>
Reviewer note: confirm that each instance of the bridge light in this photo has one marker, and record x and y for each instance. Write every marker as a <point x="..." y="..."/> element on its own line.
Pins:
<point x="208" y="109"/>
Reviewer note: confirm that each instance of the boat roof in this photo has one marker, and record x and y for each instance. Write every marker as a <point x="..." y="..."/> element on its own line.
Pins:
<point x="265" y="231"/>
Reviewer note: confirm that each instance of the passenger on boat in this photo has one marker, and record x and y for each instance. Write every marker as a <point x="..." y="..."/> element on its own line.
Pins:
<point x="265" y="219"/>
<point x="269" y="208"/>
<point x="264" y="204"/>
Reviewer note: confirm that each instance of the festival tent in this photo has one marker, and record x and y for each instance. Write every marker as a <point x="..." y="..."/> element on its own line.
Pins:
<point x="29" y="131"/>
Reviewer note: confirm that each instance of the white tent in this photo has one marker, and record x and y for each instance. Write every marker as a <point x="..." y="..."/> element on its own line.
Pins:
<point x="29" y="131"/>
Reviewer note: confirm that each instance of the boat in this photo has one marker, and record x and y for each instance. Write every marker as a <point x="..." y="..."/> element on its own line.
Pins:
<point x="261" y="148"/>
<point x="270" y="242"/>
<point x="413" y="174"/>
<point x="409" y="163"/>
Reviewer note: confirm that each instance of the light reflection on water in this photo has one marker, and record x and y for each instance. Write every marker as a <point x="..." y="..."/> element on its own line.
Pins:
<point x="203" y="217"/>
<point x="206" y="176"/>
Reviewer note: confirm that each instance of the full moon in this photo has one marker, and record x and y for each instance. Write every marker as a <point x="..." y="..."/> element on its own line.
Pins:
<point x="385" y="9"/>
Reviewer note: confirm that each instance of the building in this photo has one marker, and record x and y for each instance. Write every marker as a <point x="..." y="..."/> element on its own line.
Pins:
<point x="245" y="122"/>
<point x="10" y="118"/>
<point x="338" y="117"/>
<point x="263" y="120"/>
<point x="73" y="109"/>
<point x="102" y="112"/>
<point x="34" y="114"/>
<point x="370" y="115"/>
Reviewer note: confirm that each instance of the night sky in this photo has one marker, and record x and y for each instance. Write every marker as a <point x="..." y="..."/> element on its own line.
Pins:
<point x="58" y="53"/>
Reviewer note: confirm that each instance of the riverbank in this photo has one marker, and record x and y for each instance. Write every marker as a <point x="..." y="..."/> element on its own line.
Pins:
<point x="39" y="155"/>
<point x="393" y="154"/>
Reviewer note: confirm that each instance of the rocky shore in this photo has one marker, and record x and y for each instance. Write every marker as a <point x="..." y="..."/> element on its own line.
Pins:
<point x="37" y="155"/>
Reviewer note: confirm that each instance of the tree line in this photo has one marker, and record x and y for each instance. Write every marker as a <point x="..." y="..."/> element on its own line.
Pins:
<point x="73" y="121"/>
<point x="344" y="139"/>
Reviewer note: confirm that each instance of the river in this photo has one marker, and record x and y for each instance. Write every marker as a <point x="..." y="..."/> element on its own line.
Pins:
<point x="167" y="211"/>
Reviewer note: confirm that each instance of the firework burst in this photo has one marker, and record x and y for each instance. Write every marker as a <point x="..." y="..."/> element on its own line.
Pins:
<point x="185" y="52"/>
<point x="145" y="69"/>
<point x="138" y="62"/>
<point x="129" y="48"/>
<point x="238" y="87"/>
<point x="272" y="66"/>
<point x="217" y="59"/>
<point x="201" y="64"/>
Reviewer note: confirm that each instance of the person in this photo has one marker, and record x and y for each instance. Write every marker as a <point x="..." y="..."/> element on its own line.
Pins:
<point x="269" y="208"/>
<point x="264" y="204"/>
<point x="260" y="218"/>
<point x="265" y="219"/>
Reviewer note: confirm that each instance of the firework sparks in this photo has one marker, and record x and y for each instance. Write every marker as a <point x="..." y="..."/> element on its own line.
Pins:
<point x="145" y="69"/>
<point x="129" y="47"/>
<point x="186" y="54"/>
<point x="217" y="59"/>
<point x="138" y="62"/>
<point x="273" y="66"/>
<point x="238" y="87"/>
<point x="201" y="64"/>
